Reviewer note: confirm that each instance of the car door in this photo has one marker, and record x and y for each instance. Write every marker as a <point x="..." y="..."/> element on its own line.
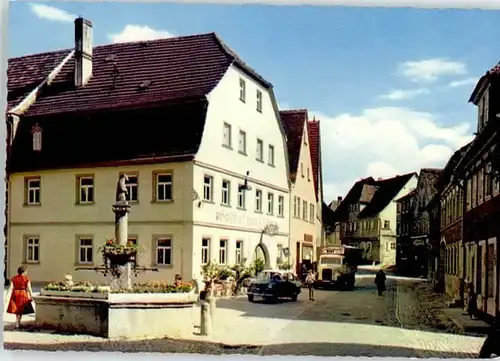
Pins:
<point x="289" y="284"/>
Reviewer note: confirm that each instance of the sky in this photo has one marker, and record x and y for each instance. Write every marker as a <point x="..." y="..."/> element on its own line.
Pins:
<point x="389" y="86"/>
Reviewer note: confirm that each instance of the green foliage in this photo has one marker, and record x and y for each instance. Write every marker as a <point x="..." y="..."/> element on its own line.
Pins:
<point x="241" y="273"/>
<point x="149" y="287"/>
<point x="225" y="273"/>
<point x="258" y="265"/>
<point x="286" y="266"/>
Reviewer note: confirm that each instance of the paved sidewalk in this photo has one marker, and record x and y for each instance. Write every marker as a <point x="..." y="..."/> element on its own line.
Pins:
<point x="463" y="321"/>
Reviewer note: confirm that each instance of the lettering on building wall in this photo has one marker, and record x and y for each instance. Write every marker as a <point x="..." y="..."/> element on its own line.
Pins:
<point x="238" y="219"/>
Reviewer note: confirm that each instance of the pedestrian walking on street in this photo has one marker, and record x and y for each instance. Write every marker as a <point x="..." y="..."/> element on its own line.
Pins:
<point x="21" y="296"/>
<point x="471" y="301"/>
<point x="491" y="345"/>
<point x="310" y="284"/>
<point x="380" y="282"/>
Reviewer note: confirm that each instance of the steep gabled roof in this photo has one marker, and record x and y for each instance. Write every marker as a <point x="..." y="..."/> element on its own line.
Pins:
<point x="387" y="189"/>
<point x="353" y="196"/>
<point x="483" y="82"/>
<point x="449" y="168"/>
<point x="126" y="74"/>
<point x="313" y="131"/>
<point x="406" y="196"/>
<point x="293" y="123"/>
<point x="157" y="102"/>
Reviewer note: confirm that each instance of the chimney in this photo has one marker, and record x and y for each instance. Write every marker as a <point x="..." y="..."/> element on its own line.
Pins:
<point x="339" y="199"/>
<point x="83" y="51"/>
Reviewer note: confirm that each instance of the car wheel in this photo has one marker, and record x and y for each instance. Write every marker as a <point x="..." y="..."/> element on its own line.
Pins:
<point x="295" y="297"/>
<point x="250" y="298"/>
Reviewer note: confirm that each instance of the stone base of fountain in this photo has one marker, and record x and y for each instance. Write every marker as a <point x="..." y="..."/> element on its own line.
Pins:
<point x="118" y="315"/>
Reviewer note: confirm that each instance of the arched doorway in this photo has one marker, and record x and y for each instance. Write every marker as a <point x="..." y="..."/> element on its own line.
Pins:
<point x="262" y="253"/>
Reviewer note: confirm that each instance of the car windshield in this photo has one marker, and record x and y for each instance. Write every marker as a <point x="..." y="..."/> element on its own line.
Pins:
<point x="266" y="275"/>
<point x="331" y="260"/>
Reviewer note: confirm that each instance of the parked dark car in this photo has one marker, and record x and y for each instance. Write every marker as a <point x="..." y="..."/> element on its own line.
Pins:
<point x="272" y="285"/>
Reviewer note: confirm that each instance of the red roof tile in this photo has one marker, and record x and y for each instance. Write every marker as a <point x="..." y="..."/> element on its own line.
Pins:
<point x="315" y="148"/>
<point x="173" y="68"/>
<point x="293" y="123"/>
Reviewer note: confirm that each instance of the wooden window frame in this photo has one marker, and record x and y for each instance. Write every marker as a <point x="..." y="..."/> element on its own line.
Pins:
<point x="26" y="246"/>
<point x="154" y="259"/>
<point x="79" y="238"/>
<point x="156" y="174"/>
<point x="79" y="186"/>
<point x="27" y="188"/>
<point x="211" y="188"/>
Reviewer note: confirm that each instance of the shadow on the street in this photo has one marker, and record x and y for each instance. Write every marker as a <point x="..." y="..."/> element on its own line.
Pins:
<point x="204" y="347"/>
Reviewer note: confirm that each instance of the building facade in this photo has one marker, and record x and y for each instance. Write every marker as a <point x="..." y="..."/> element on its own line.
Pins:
<point x="405" y="259"/>
<point x="479" y="170"/>
<point x="369" y="215"/>
<point x="206" y="188"/>
<point x="304" y="218"/>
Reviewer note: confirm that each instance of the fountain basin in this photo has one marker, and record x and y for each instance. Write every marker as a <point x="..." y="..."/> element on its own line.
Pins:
<point x="118" y="315"/>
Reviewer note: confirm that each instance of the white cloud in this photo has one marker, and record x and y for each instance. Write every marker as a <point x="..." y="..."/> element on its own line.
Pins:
<point x="138" y="33"/>
<point x="51" y="13"/>
<point x="468" y="81"/>
<point x="383" y="142"/>
<point x="401" y="94"/>
<point x="430" y="70"/>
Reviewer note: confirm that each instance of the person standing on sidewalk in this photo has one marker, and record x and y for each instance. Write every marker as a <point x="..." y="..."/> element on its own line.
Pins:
<point x="21" y="296"/>
<point x="310" y="284"/>
<point x="471" y="301"/>
<point x="380" y="282"/>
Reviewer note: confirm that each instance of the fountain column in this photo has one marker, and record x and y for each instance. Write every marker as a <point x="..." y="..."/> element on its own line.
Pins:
<point x="122" y="209"/>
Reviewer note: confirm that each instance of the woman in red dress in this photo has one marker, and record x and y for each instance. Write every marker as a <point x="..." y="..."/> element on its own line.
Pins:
<point x="21" y="296"/>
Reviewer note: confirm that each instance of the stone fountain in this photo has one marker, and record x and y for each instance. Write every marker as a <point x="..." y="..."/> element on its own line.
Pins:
<point x="103" y="310"/>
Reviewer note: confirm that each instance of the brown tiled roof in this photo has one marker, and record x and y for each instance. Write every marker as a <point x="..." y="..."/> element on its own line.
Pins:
<point x="449" y="168"/>
<point x="154" y="111"/>
<point x="387" y="189"/>
<point x="352" y="197"/>
<point x="147" y="72"/>
<point x="293" y="123"/>
<point x="313" y="130"/>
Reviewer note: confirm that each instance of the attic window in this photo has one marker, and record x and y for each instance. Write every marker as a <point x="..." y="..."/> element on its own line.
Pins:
<point x="145" y="84"/>
<point x="110" y="58"/>
<point x="36" y="132"/>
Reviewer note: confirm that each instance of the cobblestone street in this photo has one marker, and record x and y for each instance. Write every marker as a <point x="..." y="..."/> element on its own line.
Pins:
<point x="356" y="323"/>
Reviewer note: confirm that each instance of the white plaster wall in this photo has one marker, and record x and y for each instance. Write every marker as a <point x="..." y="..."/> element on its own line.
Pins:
<point x="225" y="106"/>
<point x="390" y="214"/>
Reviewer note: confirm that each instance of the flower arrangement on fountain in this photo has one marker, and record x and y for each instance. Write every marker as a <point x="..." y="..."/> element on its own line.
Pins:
<point x="147" y="287"/>
<point x="116" y="255"/>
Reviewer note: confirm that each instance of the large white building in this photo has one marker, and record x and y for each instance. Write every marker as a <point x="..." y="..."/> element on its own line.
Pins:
<point x="195" y="129"/>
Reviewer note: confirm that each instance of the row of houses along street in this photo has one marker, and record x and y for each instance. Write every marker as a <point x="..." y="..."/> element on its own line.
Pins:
<point x="440" y="223"/>
<point x="212" y="162"/>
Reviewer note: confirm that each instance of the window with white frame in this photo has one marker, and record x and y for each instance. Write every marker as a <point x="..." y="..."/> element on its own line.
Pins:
<point x="260" y="150"/>
<point x="163" y="187"/>
<point x="86" y="189"/>
<point x="32" y="249"/>
<point x="164" y="251"/>
<point x="132" y="185"/>
<point x="223" y="251"/>
<point x="270" y="155"/>
<point x="298" y="207"/>
<point x="239" y="252"/>
<point x="258" y="200"/>
<point x="259" y="101"/>
<point x="33" y="191"/>
<point x="308" y="175"/>
<point x="243" y="90"/>
<point x="241" y="197"/>
<point x="295" y="206"/>
<point x="226" y="192"/>
<point x="281" y="206"/>
<point x="37" y="138"/>
<point x="311" y="213"/>
<point x="302" y="169"/>
<point x="85" y="250"/>
<point x="304" y="210"/>
<point x="242" y="142"/>
<point x="270" y="203"/>
<point x="205" y="250"/>
<point x="208" y="193"/>
<point x="226" y="136"/>
<point x="393" y="245"/>
<point x="387" y="224"/>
